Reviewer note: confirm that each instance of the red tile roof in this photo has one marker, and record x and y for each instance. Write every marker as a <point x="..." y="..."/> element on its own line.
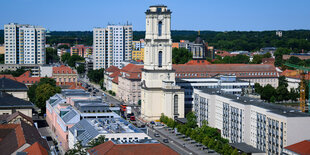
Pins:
<point x="109" y="148"/>
<point x="36" y="149"/>
<point x="112" y="69"/>
<point x="63" y="70"/>
<point x="198" y="62"/>
<point x="132" y="71"/>
<point x="115" y="80"/>
<point x="12" y="138"/>
<point x="70" y="85"/>
<point x="115" y="74"/>
<point x="16" y="114"/>
<point x="293" y="74"/>
<point x="224" y="53"/>
<point x="8" y="76"/>
<point x="302" y="148"/>
<point x="26" y="78"/>
<point x="268" y="60"/>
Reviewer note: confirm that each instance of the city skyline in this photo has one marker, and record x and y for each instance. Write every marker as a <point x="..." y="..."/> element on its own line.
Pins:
<point x="225" y="15"/>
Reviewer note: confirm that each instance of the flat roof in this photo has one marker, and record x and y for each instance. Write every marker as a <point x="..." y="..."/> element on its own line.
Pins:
<point x="274" y="108"/>
<point x="246" y="148"/>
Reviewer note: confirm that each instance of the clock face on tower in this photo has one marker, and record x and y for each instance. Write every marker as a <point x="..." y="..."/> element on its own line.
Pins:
<point x="160" y="17"/>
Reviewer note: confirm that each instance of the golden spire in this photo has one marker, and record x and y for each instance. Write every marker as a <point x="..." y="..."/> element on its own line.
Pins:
<point x="199" y="32"/>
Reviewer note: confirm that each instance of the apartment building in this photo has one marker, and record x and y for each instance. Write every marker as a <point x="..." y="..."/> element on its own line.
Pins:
<point x="24" y="44"/>
<point x="112" y="45"/>
<point x="81" y="50"/>
<point x="265" y="126"/>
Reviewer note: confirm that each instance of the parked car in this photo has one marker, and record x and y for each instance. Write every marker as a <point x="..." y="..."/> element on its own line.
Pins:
<point x="156" y="135"/>
<point x="165" y="140"/>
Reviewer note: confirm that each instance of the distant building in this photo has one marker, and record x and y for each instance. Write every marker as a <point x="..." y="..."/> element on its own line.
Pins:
<point x="110" y="74"/>
<point x="302" y="56"/>
<point x="138" y="54"/>
<point x="2" y="50"/>
<point x="175" y="45"/>
<point x="81" y="50"/>
<point x="136" y="147"/>
<point x="265" y="126"/>
<point x="35" y="69"/>
<point x="24" y="44"/>
<point x="279" y="33"/>
<point x="137" y="45"/>
<point x="64" y="74"/>
<point x="111" y="45"/>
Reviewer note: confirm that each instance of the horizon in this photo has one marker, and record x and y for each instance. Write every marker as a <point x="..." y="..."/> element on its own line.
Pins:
<point x="207" y="15"/>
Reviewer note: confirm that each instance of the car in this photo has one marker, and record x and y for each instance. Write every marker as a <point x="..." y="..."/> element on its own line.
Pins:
<point x="142" y="126"/>
<point x="152" y="122"/>
<point x="96" y="90"/>
<point x="211" y="151"/>
<point x="165" y="140"/>
<point x="156" y="135"/>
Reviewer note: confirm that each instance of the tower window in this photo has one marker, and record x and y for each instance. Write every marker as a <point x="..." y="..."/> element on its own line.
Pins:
<point x="160" y="28"/>
<point x="176" y="108"/>
<point x="160" y="58"/>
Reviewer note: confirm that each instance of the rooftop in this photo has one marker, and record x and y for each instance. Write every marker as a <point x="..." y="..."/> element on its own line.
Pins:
<point x="63" y="70"/>
<point x="8" y="100"/>
<point x="111" y="148"/>
<point x="246" y="148"/>
<point x="273" y="108"/>
<point x="87" y="129"/>
<point x="302" y="148"/>
<point x="9" y="84"/>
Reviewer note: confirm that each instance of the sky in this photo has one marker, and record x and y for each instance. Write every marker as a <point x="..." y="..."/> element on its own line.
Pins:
<point x="216" y="15"/>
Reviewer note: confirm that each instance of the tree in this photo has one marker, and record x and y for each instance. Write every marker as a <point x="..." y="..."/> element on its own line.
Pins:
<point x="73" y="59"/>
<point x="211" y="143"/>
<point x="181" y="55"/>
<point x="63" y="46"/>
<point x="191" y="120"/>
<point x="293" y="95"/>
<point x="51" y="55"/>
<point x="282" y="93"/>
<point x="65" y="57"/>
<point x="95" y="75"/>
<point x="258" y="88"/>
<point x="268" y="92"/>
<point x="81" y="69"/>
<point x="235" y="152"/>
<point x="257" y="59"/>
<point x="282" y="81"/>
<point x="1" y="58"/>
<point x="43" y="92"/>
<point x="77" y="150"/>
<point x="97" y="141"/>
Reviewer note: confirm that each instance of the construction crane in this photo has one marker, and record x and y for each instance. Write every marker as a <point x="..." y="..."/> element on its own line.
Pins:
<point x="304" y="73"/>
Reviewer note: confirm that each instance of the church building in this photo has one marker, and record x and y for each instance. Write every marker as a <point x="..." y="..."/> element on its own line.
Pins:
<point x="159" y="94"/>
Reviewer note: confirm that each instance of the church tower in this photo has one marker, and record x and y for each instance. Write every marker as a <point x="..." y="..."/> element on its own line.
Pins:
<point x="159" y="93"/>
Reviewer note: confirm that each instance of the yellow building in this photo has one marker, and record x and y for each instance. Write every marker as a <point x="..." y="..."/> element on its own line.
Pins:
<point x="1" y="49"/>
<point x="138" y="54"/>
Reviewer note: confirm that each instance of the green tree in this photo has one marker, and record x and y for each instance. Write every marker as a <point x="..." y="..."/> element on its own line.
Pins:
<point x="268" y="92"/>
<point x="181" y="55"/>
<point x="257" y="59"/>
<point x="63" y="46"/>
<point x="211" y="143"/>
<point x="43" y="93"/>
<point x="51" y="55"/>
<point x="258" y="88"/>
<point x="81" y="69"/>
<point x="282" y="93"/>
<point x="206" y="141"/>
<point x="95" y="75"/>
<point x="77" y="150"/>
<point x="191" y="120"/>
<point x="65" y="57"/>
<point x="1" y="58"/>
<point x="293" y="95"/>
<point x="97" y="141"/>
<point x="282" y="81"/>
<point x="73" y="59"/>
<point x="235" y="152"/>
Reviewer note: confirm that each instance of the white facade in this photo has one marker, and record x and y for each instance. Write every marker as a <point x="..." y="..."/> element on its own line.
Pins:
<point x="24" y="44"/>
<point x="265" y="126"/>
<point x="159" y="93"/>
<point x="111" y="45"/>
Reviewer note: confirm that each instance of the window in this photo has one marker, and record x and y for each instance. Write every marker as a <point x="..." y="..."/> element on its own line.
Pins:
<point x="159" y="28"/>
<point x="160" y="57"/>
<point x="175" y="104"/>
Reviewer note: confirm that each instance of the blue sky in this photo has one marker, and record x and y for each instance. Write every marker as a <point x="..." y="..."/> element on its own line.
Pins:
<point x="218" y="15"/>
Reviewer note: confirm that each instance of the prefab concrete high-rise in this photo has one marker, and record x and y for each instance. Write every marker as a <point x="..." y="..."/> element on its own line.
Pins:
<point x="112" y="45"/>
<point x="24" y="44"/>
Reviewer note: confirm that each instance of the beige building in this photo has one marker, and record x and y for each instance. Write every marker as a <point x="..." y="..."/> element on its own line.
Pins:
<point x="2" y="51"/>
<point x="159" y="93"/>
<point x="129" y="80"/>
<point x="64" y="74"/>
